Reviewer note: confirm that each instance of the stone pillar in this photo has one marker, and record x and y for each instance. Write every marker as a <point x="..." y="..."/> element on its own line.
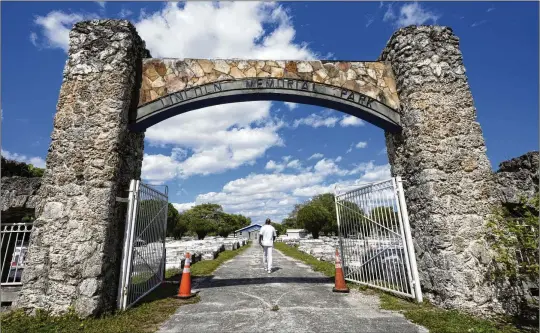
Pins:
<point x="441" y="156"/>
<point x="74" y="252"/>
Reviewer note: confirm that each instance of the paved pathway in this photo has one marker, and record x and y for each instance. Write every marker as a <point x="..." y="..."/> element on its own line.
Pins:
<point x="240" y="296"/>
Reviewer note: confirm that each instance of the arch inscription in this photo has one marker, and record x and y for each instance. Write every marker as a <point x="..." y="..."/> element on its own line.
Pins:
<point x="173" y="86"/>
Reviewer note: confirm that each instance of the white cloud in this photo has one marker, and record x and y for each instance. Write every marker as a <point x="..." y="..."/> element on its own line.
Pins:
<point x="274" y="195"/>
<point x="315" y="120"/>
<point x="490" y="9"/>
<point x="279" y="167"/>
<point x="124" y="13"/>
<point x="338" y="159"/>
<point x="102" y="4"/>
<point x="475" y="24"/>
<point x="35" y="161"/>
<point x="180" y="207"/>
<point x="291" y="106"/>
<point x="410" y="14"/>
<point x="55" y="28"/>
<point x="351" y="121"/>
<point x="316" y="156"/>
<point x="361" y="144"/>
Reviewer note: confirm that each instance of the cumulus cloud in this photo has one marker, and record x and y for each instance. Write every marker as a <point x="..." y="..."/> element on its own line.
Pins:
<point x="315" y="121"/>
<point x="361" y="144"/>
<point x="315" y="156"/>
<point x="409" y="14"/>
<point x="55" y="28"/>
<point x="274" y="195"/>
<point x="291" y="106"/>
<point x="351" y="121"/>
<point x="35" y="161"/>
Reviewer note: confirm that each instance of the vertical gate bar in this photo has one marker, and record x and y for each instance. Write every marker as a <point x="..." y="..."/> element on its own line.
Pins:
<point x="356" y="222"/>
<point x="410" y="288"/>
<point x="127" y="231"/>
<point x="390" y="200"/>
<point x="407" y="229"/>
<point x="378" y="201"/>
<point x="5" y="255"/>
<point x="336" y="199"/>
<point x="364" y="229"/>
<point x="130" y="245"/>
<point x="164" y="253"/>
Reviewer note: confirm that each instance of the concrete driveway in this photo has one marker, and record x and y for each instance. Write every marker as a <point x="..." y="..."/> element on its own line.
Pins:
<point x="241" y="294"/>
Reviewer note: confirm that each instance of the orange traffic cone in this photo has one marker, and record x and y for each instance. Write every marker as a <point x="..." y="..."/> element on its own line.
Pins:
<point x="185" y="284"/>
<point x="341" y="286"/>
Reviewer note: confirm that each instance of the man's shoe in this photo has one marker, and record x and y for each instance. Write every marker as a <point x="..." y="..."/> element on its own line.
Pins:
<point x="269" y="271"/>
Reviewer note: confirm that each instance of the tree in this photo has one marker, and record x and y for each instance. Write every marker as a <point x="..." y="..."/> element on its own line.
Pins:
<point x="204" y="219"/>
<point x="355" y="219"/>
<point x="313" y="217"/>
<point x="181" y="227"/>
<point x="289" y="223"/>
<point x="327" y="200"/>
<point x="385" y="216"/>
<point x="172" y="219"/>
<point x="280" y="229"/>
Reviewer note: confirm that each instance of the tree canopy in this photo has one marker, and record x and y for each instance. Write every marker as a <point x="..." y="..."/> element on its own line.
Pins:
<point x="203" y="220"/>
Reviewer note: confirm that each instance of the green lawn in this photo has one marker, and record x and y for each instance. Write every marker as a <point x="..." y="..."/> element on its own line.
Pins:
<point x="145" y="317"/>
<point x="436" y="320"/>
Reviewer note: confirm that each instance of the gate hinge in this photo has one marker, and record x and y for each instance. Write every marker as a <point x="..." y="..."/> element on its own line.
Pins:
<point x="122" y="199"/>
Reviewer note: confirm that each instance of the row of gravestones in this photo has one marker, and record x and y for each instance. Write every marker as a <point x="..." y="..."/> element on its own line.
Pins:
<point x="206" y="249"/>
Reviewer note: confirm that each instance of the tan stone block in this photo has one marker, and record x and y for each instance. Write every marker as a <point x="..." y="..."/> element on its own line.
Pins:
<point x="151" y="73"/>
<point x="146" y="83"/>
<point x="202" y="80"/>
<point x="343" y="66"/>
<point x="197" y="69"/>
<point x="224" y="77"/>
<point x="290" y="67"/>
<point x="372" y="73"/>
<point x="290" y="75"/>
<point x="316" y="78"/>
<point x="259" y="65"/>
<point x="316" y="65"/>
<point x="160" y="67"/>
<point x="351" y="85"/>
<point x="263" y="74"/>
<point x="331" y="70"/>
<point x="243" y="65"/>
<point x="272" y="63"/>
<point x="277" y="72"/>
<point x="304" y="67"/>
<point x="236" y="73"/>
<point x="176" y="85"/>
<point x="153" y="95"/>
<point x="322" y="73"/>
<point x="159" y="82"/>
<point x="351" y="74"/>
<point x="267" y="68"/>
<point x="281" y="63"/>
<point x="251" y="72"/>
<point x="206" y="65"/>
<point x="222" y="66"/>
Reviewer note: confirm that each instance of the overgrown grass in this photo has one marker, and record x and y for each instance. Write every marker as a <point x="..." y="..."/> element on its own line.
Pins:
<point x="145" y="317"/>
<point x="435" y="319"/>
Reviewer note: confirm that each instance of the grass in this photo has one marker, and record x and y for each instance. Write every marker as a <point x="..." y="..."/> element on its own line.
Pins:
<point x="145" y="317"/>
<point x="327" y="268"/>
<point x="435" y="319"/>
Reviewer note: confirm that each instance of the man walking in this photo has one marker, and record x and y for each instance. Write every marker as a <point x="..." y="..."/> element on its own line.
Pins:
<point x="267" y="236"/>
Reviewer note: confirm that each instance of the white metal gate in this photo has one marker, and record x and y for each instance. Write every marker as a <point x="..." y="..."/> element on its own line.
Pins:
<point x="143" y="255"/>
<point x="375" y="238"/>
<point x="15" y="238"/>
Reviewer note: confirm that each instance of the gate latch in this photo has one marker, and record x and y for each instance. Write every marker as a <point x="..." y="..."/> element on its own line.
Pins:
<point x="122" y="199"/>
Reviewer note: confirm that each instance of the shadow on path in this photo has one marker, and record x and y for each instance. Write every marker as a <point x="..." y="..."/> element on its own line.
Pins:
<point x="212" y="282"/>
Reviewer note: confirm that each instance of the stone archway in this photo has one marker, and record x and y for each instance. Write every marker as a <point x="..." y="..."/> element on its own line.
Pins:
<point x="112" y="89"/>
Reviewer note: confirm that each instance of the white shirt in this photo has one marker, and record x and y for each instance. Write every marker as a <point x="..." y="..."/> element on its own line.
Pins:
<point x="267" y="232"/>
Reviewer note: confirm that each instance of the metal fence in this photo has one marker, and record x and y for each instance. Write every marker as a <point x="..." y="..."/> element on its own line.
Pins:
<point x="375" y="238"/>
<point x="15" y="237"/>
<point x="143" y="257"/>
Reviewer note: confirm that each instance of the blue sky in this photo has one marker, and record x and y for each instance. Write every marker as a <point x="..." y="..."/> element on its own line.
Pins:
<point x="260" y="158"/>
